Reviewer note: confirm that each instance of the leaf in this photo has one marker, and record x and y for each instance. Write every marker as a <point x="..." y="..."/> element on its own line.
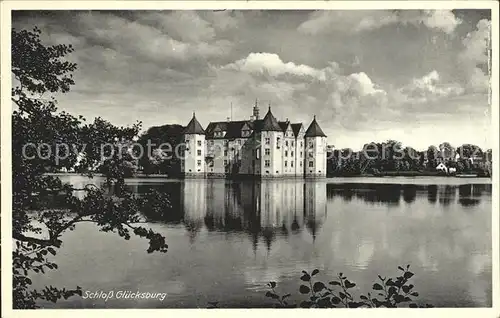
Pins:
<point x="314" y="272"/>
<point x="342" y="295"/>
<point x="414" y="294"/>
<point x="406" y="289"/>
<point x="399" y="298"/>
<point x="306" y="304"/>
<point x="377" y="286"/>
<point x="303" y="289"/>
<point x="408" y="275"/>
<point x="349" y="284"/>
<point x="401" y="268"/>
<point x="413" y="306"/>
<point x="51" y="250"/>
<point x="335" y="300"/>
<point x="285" y="296"/>
<point x="272" y="284"/>
<point x="363" y="297"/>
<point x="353" y="304"/>
<point x="306" y="277"/>
<point x="334" y="283"/>
<point x="318" y="286"/>
<point x="392" y="291"/>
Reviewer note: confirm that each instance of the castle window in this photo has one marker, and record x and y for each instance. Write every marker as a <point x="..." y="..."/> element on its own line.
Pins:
<point x="311" y="145"/>
<point x="267" y="163"/>
<point x="286" y="143"/>
<point x="291" y="164"/>
<point x="225" y="152"/>
<point x="278" y="143"/>
<point x="225" y="162"/>
<point x="199" y="152"/>
<point x="293" y="143"/>
<point x="286" y="153"/>
<point x="267" y="151"/>
<point x="301" y="163"/>
<point x="311" y="164"/>
<point x="311" y="155"/>
<point x="199" y="163"/>
<point x="291" y="154"/>
<point x="268" y="141"/>
<point x="211" y="163"/>
<point x="301" y="154"/>
<point x="286" y="163"/>
<point x="302" y="144"/>
<point x="199" y="142"/>
<point x="257" y="154"/>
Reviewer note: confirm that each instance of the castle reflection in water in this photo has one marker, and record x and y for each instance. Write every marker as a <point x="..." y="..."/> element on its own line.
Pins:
<point x="265" y="209"/>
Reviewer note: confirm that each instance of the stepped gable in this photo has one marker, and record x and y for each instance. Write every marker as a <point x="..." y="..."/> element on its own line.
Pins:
<point x="314" y="130"/>
<point x="194" y="127"/>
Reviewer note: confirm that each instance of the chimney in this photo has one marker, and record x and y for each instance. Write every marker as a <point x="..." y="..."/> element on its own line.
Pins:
<point x="228" y="119"/>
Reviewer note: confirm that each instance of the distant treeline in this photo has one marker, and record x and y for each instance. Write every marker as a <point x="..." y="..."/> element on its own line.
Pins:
<point x="389" y="158"/>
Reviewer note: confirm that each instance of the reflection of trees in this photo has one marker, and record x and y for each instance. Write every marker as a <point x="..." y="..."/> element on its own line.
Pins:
<point x="409" y="193"/>
<point x="446" y="195"/>
<point x="432" y="193"/>
<point x="390" y="194"/>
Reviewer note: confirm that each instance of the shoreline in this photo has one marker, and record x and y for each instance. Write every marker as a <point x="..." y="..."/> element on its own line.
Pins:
<point x="364" y="176"/>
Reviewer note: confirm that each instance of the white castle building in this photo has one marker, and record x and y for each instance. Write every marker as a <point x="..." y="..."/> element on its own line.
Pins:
<point x="262" y="148"/>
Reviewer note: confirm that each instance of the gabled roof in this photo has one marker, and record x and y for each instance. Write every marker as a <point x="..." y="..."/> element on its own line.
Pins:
<point x="194" y="127"/>
<point x="296" y="128"/>
<point x="314" y="130"/>
<point x="284" y="125"/>
<point x="269" y="123"/>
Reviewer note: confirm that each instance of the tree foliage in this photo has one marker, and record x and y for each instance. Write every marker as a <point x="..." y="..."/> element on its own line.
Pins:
<point x="387" y="292"/>
<point x="43" y="208"/>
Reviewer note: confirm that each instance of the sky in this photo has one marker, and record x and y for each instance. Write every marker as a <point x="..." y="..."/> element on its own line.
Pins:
<point x="417" y="76"/>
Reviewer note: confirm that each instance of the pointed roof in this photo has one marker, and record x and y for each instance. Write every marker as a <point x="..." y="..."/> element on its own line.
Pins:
<point x="314" y="130"/>
<point x="284" y="125"/>
<point x="269" y="123"/>
<point x="296" y="128"/>
<point x="194" y="127"/>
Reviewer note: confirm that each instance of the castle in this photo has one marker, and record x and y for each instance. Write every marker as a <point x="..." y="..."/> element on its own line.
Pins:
<point x="261" y="148"/>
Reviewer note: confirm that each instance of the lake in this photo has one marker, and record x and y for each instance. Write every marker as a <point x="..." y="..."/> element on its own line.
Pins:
<point x="228" y="239"/>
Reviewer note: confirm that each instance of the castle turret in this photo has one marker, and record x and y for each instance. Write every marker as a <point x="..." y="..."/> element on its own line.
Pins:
<point x="271" y="140"/>
<point x="193" y="157"/>
<point x="315" y="151"/>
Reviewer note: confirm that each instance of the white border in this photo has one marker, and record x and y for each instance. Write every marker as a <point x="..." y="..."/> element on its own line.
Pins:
<point x="6" y="173"/>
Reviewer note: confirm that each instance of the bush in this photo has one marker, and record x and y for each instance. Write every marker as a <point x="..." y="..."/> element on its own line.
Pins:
<point x="389" y="293"/>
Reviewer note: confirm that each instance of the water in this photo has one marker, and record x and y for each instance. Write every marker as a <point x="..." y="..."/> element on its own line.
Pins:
<point x="228" y="240"/>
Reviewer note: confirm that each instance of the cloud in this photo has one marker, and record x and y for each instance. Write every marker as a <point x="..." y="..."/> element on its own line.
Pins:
<point x="183" y="25"/>
<point x="325" y="21"/>
<point x="144" y="41"/>
<point x="428" y="88"/>
<point x="474" y="59"/>
<point x="269" y="63"/>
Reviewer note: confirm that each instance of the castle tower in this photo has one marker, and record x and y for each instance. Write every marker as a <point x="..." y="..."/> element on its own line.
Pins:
<point x="193" y="158"/>
<point x="271" y="140"/>
<point x="315" y="151"/>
